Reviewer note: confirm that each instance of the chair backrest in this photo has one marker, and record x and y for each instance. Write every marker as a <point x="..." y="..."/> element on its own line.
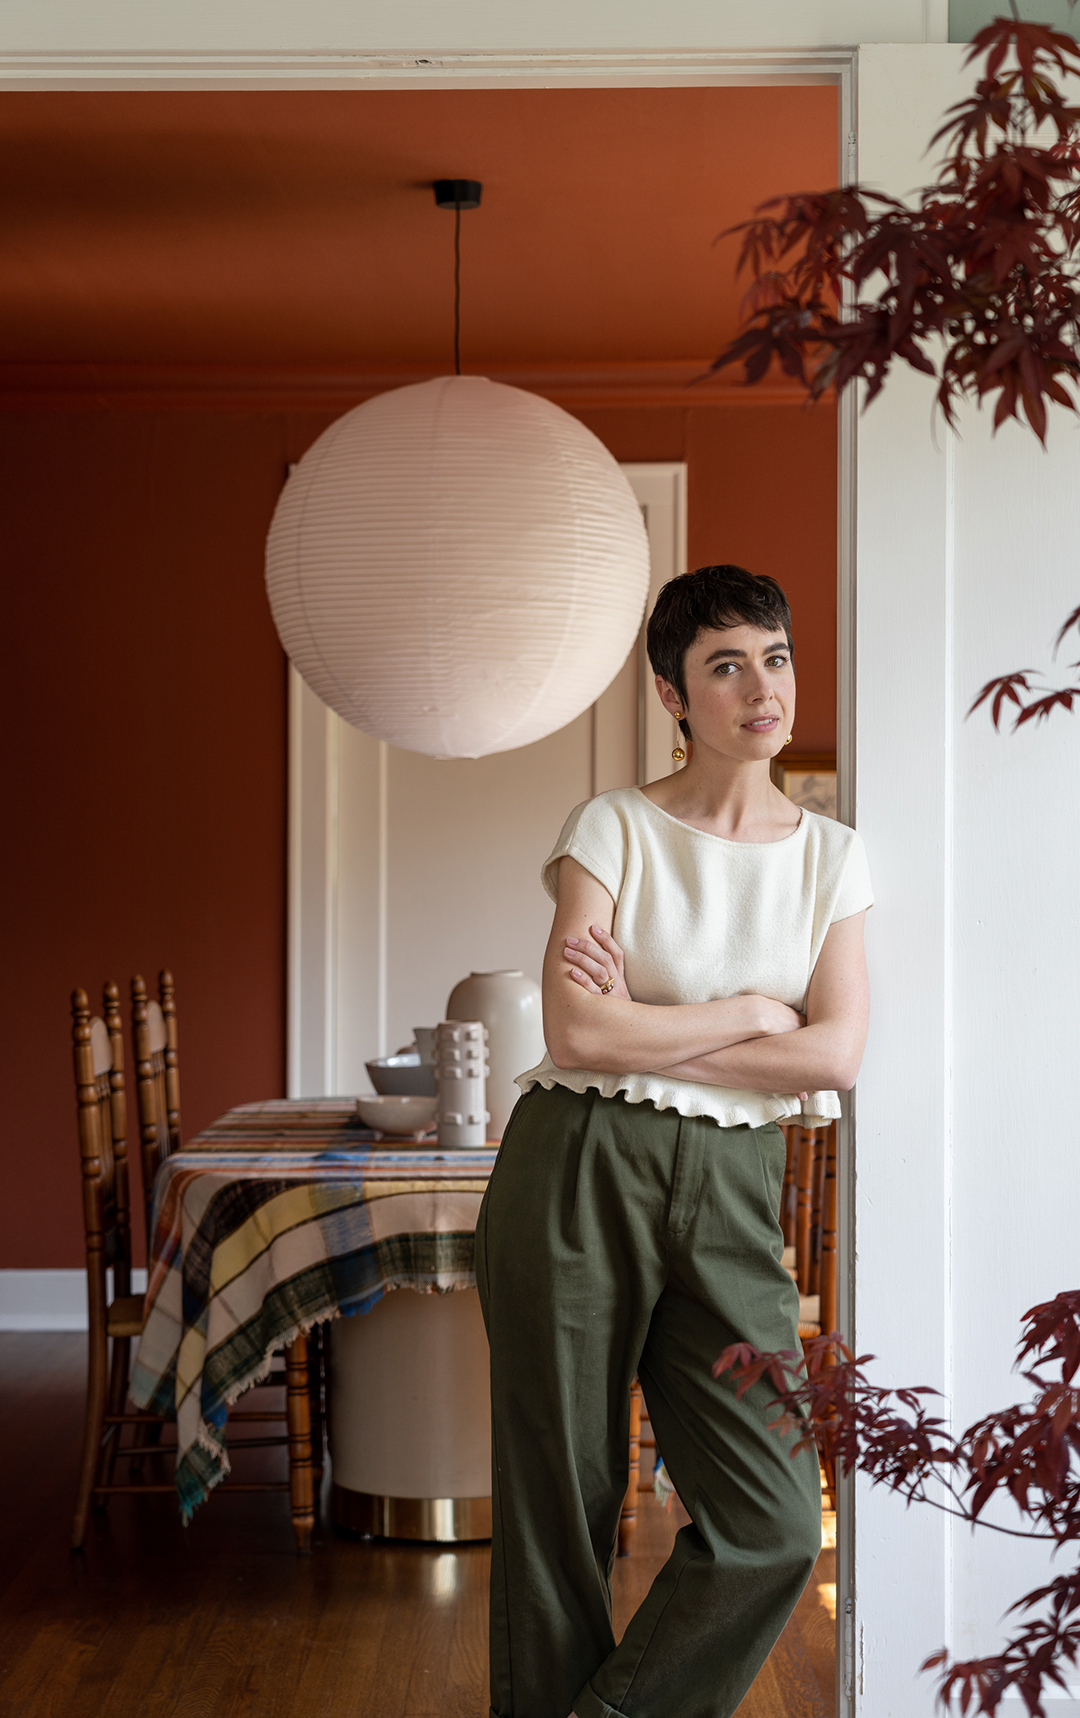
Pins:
<point x="808" y="1213"/>
<point x="98" y="1046"/>
<point x="157" y="1076"/>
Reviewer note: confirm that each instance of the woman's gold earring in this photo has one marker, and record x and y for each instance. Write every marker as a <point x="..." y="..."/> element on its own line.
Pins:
<point x="789" y="739"/>
<point x="678" y="754"/>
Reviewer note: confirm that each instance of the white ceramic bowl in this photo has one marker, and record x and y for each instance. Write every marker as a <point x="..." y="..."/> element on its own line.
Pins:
<point x="400" y="1116"/>
<point x="403" y="1075"/>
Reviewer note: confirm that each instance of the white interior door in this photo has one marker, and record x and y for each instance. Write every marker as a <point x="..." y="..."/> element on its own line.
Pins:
<point x="407" y="873"/>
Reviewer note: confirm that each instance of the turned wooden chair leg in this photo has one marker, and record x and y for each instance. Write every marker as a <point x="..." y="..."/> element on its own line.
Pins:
<point x="787" y="1196"/>
<point x="95" y="1418"/>
<point x="298" y="1410"/>
<point x="806" y="1153"/>
<point x="828" y="1469"/>
<point x="316" y="1362"/>
<point x="628" y="1517"/>
<point x="117" y="1396"/>
<point x="828" y="1236"/>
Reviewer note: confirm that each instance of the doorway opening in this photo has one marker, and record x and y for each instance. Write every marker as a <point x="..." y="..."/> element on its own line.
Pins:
<point x="721" y="476"/>
<point x="234" y="270"/>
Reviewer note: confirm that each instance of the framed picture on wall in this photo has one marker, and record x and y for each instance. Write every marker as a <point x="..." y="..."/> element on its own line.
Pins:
<point x="808" y="779"/>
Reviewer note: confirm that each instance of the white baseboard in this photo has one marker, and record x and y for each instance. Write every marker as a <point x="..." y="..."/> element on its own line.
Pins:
<point x="49" y="1300"/>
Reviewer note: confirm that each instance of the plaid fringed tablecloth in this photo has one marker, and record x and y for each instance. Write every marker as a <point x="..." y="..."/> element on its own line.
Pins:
<point x="279" y="1216"/>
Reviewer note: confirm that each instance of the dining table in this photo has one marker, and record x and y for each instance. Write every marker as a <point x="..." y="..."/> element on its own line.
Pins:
<point x="277" y="1218"/>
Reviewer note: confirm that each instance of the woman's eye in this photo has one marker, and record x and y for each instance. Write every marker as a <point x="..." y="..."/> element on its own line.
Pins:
<point x="726" y="667"/>
<point x="776" y="662"/>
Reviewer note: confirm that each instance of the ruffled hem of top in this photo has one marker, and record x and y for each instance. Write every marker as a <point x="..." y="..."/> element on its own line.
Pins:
<point x="750" y="1109"/>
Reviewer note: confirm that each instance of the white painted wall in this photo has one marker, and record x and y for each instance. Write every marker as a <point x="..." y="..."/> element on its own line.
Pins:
<point x="967" y="1184"/>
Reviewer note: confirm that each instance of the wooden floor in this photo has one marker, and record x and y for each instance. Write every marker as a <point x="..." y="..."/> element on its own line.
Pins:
<point x="223" y="1620"/>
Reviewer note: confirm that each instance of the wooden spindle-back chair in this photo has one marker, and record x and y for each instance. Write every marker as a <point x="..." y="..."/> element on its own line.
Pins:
<point x="156" y="1039"/>
<point x="157" y="1079"/>
<point x="787" y="1196"/>
<point x="812" y="1260"/>
<point x="815" y="1228"/>
<point x="99" y="1084"/>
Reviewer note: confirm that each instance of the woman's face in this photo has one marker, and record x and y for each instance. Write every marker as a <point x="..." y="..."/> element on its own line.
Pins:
<point x="740" y="692"/>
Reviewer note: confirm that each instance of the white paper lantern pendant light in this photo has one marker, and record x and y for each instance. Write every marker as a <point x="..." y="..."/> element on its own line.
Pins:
<point x="458" y="567"/>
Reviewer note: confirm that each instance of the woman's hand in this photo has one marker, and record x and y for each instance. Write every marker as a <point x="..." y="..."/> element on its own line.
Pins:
<point x="595" y="960"/>
<point x="825" y="1054"/>
<point x="774" y="1017"/>
<point x="619" y="1035"/>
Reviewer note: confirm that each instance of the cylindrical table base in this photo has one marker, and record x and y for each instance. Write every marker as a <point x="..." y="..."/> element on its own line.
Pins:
<point x="445" y="1520"/>
<point x="410" y="1419"/>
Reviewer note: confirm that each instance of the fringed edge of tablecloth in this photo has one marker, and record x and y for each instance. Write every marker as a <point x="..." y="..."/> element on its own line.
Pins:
<point x="304" y="1326"/>
<point x="261" y="1372"/>
<point x="219" y="1451"/>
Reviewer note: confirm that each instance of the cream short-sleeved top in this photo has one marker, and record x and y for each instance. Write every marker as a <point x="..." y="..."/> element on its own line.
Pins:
<point x="700" y="918"/>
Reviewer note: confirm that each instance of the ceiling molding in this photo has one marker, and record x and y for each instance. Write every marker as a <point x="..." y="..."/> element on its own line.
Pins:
<point x="105" y="69"/>
<point x="246" y="388"/>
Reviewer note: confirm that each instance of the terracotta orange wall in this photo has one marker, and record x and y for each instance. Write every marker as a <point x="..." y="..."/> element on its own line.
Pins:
<point x="145" y="720"/>
<point x="762" y="482"/>
<point x="144" y="717"/>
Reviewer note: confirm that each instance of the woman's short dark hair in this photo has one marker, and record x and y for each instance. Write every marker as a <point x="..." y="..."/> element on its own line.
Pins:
<point x="703" y="601"/>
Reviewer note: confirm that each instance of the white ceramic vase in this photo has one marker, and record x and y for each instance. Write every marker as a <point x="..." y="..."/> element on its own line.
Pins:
<point x="461" y="1076"/>
<point x="510" y="1006"/>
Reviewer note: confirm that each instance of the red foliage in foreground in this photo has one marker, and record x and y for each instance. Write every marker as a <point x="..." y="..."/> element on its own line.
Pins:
<point x="980" y="274"/>
<point x="1030" y="1452"/>
<point x="1007" y="688"/>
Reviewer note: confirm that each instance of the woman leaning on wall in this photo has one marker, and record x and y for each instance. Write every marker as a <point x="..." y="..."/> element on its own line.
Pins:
<point x="704" y="979"/>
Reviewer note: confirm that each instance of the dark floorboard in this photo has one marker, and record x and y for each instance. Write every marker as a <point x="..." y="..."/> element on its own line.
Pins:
<point x="223" y="1620"/>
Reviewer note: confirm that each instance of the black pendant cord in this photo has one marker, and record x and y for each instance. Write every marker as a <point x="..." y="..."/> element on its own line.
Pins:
<point x="457" y="289"/>
<point x="457" y="194"/>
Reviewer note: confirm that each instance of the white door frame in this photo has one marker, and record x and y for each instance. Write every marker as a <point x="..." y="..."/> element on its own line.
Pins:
<point x="116" y="70"/>
<point x="289" y="69"/>
<point x="661" y="489"/>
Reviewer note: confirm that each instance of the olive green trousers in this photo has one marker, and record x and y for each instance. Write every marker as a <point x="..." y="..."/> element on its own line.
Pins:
<point x="616" y="1238"/>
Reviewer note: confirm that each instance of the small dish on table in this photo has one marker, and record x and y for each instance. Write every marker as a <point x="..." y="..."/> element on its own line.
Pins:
<point x="393" y="1116"/>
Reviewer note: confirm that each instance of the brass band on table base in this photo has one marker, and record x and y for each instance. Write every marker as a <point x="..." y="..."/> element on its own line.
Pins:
<point x="441" y="1519"/>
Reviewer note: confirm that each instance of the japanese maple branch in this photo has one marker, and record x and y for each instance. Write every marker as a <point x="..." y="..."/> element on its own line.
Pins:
<point x="980" y="273"/>
<point x="1016" y="687"/>
<point x="1030" y="1451"/>
<point x="813" y="1405"/>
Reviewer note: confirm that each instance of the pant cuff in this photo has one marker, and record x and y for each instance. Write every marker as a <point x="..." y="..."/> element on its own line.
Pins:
<point x="589" y="1705"/>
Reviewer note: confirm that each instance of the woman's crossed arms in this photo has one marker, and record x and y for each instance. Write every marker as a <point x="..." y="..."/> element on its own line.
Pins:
<point x="749" y="1043"/>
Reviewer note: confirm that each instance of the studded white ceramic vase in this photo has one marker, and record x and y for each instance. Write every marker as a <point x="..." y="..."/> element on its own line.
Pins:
<point x="461" y="1070"/>
<point x="512" y="1009"/>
